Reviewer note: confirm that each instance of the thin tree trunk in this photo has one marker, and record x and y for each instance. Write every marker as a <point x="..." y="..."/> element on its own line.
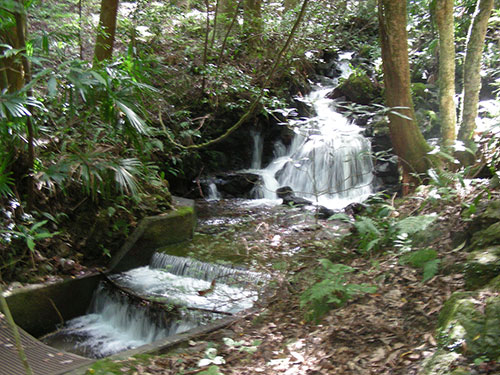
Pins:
<point x="252" y="23"/>
<point x="15" y="333"/>
<point x="80" y="28"/>
<point x="216" y="15"/>
<point x="21" y="27"/>
<point x="447" y="109"/>
<point x="407" y="140"/>
<point x="107" y="28"/>
<point x="13" y="74"/>
<point x="472" y="70"/>
<point x="233" y="21"/>
<point x="205" y="47"/>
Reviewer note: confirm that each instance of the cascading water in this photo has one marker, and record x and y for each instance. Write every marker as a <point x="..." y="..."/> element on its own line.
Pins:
<point x="328" y="160"/>
<point x="114" y="324"/>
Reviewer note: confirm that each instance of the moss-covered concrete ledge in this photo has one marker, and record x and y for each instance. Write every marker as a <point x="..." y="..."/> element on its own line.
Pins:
<point x="39" y="308"/>
<point x="154" y="232"/>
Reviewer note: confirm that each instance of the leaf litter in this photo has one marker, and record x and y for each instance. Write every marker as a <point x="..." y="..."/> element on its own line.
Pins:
<point x="388" y="332"/>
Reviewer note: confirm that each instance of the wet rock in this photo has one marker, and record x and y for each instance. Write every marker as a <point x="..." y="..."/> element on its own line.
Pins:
<point x="488" y="213"/>
<point x="237" y="184"/>
<point x="289" y="198"/>
<point x="354" y="209"/>
<point x="440" y="363"/>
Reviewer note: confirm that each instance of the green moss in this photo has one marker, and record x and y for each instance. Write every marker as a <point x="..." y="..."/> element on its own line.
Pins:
<point x="486" y="237"/>
<point x="494" y="284"/>
<point x="482" y="266"/>
<point x="463" y="324"/>
<point x="439" y="363"/>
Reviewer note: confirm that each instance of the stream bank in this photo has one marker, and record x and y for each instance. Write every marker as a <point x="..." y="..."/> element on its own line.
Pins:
<point x="392" y="331"/>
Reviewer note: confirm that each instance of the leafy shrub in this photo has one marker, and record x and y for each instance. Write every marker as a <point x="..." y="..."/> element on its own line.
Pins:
<point x="333" y="291"/>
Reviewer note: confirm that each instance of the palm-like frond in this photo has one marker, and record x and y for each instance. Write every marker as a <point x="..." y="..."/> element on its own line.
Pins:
<point x="125" y="175"/>
<point x="134" y="119"/>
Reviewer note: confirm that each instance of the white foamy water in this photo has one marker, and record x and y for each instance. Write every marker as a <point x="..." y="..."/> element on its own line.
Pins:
<point x="328" y="161"/>
<point x="117" y="322"/>
<point x="183" y="290"/>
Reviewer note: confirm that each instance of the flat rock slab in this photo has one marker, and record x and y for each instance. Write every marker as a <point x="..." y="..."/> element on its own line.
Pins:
<point x="43" y="359"/>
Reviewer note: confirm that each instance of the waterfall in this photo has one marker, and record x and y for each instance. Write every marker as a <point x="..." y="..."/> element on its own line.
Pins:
<point x="328" y="160"/>
<point x="189" y="267"/>
<point x="258" y="145"/>
<point x="115" y="323"/>
<point x="213" y="193"/>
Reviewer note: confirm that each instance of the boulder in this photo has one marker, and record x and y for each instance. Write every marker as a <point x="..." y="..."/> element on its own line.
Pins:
<point x="290" y="199"/>
<point x="358" y="88"/>
<point x="237" y="184"/>
<point x="482" y="266"/>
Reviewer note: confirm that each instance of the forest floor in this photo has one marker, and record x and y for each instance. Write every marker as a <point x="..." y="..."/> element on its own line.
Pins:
<point x="391" y="331"/>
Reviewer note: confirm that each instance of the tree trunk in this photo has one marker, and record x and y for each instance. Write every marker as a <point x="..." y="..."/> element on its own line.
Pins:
<point x="407" y="140"/>
<point x="252" y="23"/>
<point x="447" y="109"/>
<point x="106" y="33"/>
<point x="12" y="68"/>
<point x="472" y="70"/>
<point x="21" y="28"/>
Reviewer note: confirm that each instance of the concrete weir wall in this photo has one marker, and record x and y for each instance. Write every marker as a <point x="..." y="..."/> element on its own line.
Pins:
<point x="155" y="232"/>
<point x="39" y="308"/>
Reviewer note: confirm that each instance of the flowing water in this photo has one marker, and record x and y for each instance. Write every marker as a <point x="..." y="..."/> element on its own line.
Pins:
<point x="115" y="322"/>
<point x="328" y="161"/>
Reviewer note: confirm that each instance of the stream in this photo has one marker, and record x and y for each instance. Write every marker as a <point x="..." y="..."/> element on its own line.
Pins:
<point x="328" y="162"/>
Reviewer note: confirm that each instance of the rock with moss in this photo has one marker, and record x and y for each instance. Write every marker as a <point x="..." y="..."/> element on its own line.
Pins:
<point x="440" y="363"/>
<point x="488" y="213"/>
<point x="470" y="323"/>
<point x="358" y="88"/>
<point x="468" y="326"/>
<point x="482" y="266"/>
<point x="486" y="237"/>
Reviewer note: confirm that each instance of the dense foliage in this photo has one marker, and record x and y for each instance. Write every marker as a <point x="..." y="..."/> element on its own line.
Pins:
<point x="109" y="138"/>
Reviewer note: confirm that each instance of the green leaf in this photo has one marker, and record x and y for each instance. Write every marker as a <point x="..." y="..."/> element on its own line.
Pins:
<point x="414" y="224"/>
<point x="419" y="258"/>
<point x="37" y="225"/>
<point x="341" y="216"/>
<point x="430" y="269"/>
<point x="212" y="370"/>
<point x="137" y="123"/>
<point x="30" y="243"/>
<point x="52" y="87"/>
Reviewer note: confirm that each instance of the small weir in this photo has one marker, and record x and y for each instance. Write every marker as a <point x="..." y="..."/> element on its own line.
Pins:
<point x="146" y="304"/>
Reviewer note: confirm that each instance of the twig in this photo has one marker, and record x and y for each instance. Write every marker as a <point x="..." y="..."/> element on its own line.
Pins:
<point x="57" y="310"/>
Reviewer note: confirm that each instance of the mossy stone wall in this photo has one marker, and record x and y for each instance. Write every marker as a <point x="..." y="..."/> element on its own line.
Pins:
<point x="155" y="232"/>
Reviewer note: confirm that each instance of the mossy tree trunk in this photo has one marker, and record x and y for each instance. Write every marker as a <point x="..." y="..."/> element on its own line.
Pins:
<point x="407" y="140"/>
<point x="472" y="70"/>
<point x="106" y="32"/>
<point x="447" y="109"/>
